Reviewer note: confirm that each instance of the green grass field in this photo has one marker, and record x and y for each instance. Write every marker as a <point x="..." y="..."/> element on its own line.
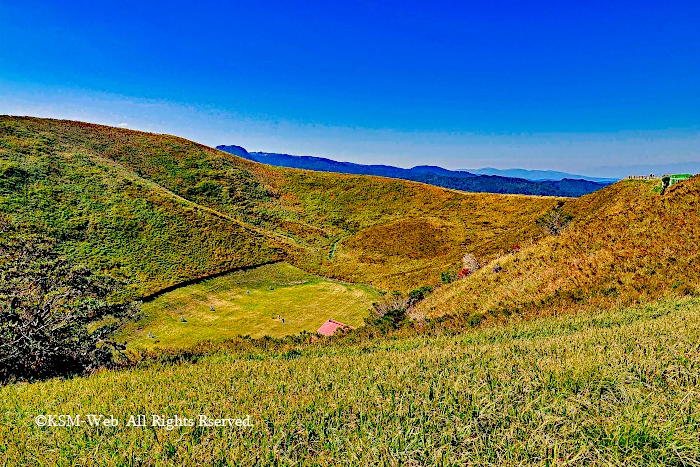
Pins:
<point x="613" y="388"/>
<point x="304" y="301"/>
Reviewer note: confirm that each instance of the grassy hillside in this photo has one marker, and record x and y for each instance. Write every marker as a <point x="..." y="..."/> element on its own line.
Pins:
<point x="616" y="388"/>
<point x="249" y="303"/>
<point x="109" y="217"/>
<point x="396" y="234"/>
<point x="627" y="244"/>
<point x="158" y="210"/>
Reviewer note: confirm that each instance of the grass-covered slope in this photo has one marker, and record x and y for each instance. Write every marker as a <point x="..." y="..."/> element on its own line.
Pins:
<point x="616" y="388"/>
<point x="275" y="300"/>
<point x="398" y="234"/>
<point x="158" y="210"/>
<point x="627" y="243"/>
<point x="105" y="215"/>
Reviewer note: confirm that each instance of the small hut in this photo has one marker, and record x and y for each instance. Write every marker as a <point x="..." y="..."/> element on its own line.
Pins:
<point x="330" y="326"/>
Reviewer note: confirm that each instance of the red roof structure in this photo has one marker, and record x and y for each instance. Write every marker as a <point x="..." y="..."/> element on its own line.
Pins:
<point x="330" y="326"/>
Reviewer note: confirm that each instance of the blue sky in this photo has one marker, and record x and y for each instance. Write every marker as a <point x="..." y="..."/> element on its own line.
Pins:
<point x="556" y="85"/>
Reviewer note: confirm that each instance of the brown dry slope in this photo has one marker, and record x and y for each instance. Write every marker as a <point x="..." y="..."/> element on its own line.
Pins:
<point x="627" y="244"/>
<point x="397" y="234"/>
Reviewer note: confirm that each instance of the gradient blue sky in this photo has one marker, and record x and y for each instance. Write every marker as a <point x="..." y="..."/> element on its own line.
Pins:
<point x="547" y="85"/>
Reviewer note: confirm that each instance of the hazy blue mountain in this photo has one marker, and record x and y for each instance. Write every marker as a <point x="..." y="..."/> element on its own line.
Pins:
<point x="605" y="174"/>
<point x="537" y="175"/>
<point x="235" y="150"/>
<point x="454" y="179"/>
<point x="328" y="165"/>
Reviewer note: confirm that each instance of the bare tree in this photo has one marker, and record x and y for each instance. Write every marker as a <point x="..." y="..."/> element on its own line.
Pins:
<point x="393" y="302"/>
<point x="554" y="222"/>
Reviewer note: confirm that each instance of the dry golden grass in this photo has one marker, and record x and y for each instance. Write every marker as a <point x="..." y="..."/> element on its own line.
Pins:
<point x="399" y="235"/>
<point x="612" y="388"/>
<point x="627" y="244"/>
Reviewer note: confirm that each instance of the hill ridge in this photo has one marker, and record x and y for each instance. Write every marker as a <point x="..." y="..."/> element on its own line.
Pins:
<point x="195" y="205"/>
<point x="193" y="210"/>
<point x="432" y="175"/>
<point x="626" y="244"/>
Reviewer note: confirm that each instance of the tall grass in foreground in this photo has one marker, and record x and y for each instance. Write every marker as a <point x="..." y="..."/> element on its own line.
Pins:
<point x="616" y="388"/>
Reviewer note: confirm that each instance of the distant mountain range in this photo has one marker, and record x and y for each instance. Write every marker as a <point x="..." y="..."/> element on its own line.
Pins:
<point x="537" y="175"/>
<point x="454" y="179"/>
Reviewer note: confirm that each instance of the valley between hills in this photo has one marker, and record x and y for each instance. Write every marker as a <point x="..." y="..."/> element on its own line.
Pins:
<point x="502" y="339"/>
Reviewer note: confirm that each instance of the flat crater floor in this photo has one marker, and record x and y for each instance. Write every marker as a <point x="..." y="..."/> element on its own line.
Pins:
<point x="252" y="302"/>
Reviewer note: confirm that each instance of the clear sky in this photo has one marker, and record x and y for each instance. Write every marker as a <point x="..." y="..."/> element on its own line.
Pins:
<point x="546" y="85"/>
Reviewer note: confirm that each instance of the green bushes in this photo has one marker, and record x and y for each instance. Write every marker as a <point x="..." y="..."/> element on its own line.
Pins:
<point x="416" y="295"/>
<point x="394" y="304"/>
<point x="12" y="176"/>
<point x="448" y="276"/>
<point x="55" y="318"/>
<point x="206" y="188"/>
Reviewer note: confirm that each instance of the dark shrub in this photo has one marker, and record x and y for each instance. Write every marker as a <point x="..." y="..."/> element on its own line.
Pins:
<point x="417" y="295"/>
<point x="665" y="181"/>
<point x="448" y="276"/>
<point x="55" y="317"/>
<point x="475" y="320"/>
